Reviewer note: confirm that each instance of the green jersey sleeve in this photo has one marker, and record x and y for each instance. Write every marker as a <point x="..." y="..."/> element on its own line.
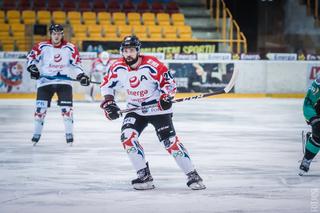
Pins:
<point x="311" y="99"/>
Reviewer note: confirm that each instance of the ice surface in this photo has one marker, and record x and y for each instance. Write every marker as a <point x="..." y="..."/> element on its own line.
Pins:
<point x="246" y="150"/>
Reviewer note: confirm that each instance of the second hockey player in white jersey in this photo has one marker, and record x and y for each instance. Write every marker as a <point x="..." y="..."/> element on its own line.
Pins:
<point x="51" y="63"/>
<point x="100" y="67"/>
<point x="146" y="81"/>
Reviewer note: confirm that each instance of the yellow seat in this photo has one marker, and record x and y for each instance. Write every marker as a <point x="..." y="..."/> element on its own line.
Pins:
<point x="79" y="30"/>
<point x="148" y="18"/>
<point x="4" y="29"/>
<point x="8" y="47"/>
<point x="184" y="31"/>
<point x="9" y="40"/>
<point x="2" y="16"/>
<point x="18" y="30"/>
<point x="141" y="36"/>
<point x="7" y="44"/>
<point x="44" y="17"/>
<point x="38" y="38"/>
<point x="163" y="19"/>
<point x="177" y="19"/>
<point x="104" y="18"/>
<point x="89" y="18"/>
<point x="21" y="44"/>
<point x="124" y="30"/>
<point x="28" y="17"/>
<point x="134" y="18"/>
<point x="119" y="18"/>
<point x="95" y="31"/>
<point x="22" y="47"/>
<point x="4" y="35"/>
<point x="110" y="31"/>
<point x="139" y="29"/>
<point x="13" y="16"/>
<point x="74" y="17"/>
<point x="59" y="17"/>
<point x="170" y="32"/>
<point x="113" y="38"/>
<point x="155" y="32"/>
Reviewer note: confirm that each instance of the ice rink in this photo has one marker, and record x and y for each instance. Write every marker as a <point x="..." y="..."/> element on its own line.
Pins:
<point x="246" y="150"/>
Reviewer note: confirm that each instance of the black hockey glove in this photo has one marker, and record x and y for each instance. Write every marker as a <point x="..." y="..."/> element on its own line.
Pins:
<point x="314" y="120"/>
<point x="111" y="109"/>
<point x="315" y="125"/>
<point x="165" y="102"/>
<point x="84" y="79"/>
<point x="34" y="72"/>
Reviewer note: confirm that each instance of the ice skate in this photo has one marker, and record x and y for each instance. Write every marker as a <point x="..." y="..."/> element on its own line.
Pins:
<point x="144" y="180"/>
<point x="195" y="181"/>
<point x="305" y="137"/>
<point x="304" y="166"/>
<point x="69" y="139"/>
<point x="35" y="139"/>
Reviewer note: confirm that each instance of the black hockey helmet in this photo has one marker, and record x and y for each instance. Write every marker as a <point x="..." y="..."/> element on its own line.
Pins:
<point x="56" y="28"/>
<point x="131" y="41"/>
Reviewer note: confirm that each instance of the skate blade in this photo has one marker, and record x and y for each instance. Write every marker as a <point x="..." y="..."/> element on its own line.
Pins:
<point x="144" y="186"/>
<point x="197" y="186"/>
<point x="302" y="173"/>
<point x="34" y="143"/>
<point x="70" y="143"/>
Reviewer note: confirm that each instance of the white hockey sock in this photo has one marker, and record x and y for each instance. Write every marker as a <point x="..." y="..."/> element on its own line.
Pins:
<point x="39" y="116"/>
<point x="67" y="114"/>
<point x="134" y="150"/>
<point x="179" y="153"/>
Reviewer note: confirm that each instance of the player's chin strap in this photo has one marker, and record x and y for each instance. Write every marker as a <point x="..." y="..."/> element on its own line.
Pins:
<point x="64" y="77"/>
<point x="227" y="89"/>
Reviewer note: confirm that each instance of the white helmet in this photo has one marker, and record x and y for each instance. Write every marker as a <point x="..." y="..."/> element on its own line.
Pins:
<point x="104" y="56"/>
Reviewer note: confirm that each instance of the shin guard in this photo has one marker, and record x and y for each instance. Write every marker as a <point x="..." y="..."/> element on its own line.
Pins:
<point x="129" y="139"/>
<point x="67" y="114"/>
<point x="180" y="154"/>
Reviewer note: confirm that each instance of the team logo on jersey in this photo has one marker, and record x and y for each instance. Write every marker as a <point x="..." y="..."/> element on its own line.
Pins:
<point x="57" y="58"/>
<point x="134" y="82"/>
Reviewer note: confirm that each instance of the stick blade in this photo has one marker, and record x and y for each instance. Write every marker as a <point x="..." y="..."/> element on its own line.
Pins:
<point x="232" y="81"/>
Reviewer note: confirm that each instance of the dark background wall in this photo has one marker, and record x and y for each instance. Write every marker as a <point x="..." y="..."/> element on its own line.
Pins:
<point x="261" y="21"/>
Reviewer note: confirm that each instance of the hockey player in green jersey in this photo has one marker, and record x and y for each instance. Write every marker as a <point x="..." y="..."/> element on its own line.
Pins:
<point x="311" y="111"/>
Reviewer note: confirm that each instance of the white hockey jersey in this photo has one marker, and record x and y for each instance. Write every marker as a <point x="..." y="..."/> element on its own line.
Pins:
<point x="143" y="85"/>
<point x="99" y="67"/>
<point x="55" y="62"/>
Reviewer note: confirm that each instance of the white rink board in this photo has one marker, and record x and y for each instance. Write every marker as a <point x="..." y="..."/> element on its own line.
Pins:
<point x="261" y="76"/>
<point x="246" y="150"/>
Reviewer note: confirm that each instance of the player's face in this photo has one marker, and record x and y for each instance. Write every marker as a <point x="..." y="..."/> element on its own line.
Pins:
<point x="56" y="37"/>
<point x="130" y="54"/>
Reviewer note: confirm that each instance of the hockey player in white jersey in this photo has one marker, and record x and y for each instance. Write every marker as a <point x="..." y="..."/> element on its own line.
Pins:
<point x="146" y="81"/>
<point x="50" y="62"/>
<point x="100" y="67"/>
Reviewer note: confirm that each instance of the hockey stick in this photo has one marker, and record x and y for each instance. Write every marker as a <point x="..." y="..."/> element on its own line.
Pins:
<point x="227" y="89"/>
<point x="62" y="77"/>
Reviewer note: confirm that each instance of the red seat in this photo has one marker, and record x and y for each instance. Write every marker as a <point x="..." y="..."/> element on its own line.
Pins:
<point x="172" y="7"/>
<point x="99" y="6"/>
<point x="113" y="6"/>
<point x="54" y="5"/>
<point x="9" y="5"/>
<point x="84" y="5"/>
<point x="128" y="6"/>
<point x="40" y="5"/>
<point x="69" y="5"/>
<point x="24" y="5"/>
<point x="143" y="6"/>
<point x="157" y="7"/>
